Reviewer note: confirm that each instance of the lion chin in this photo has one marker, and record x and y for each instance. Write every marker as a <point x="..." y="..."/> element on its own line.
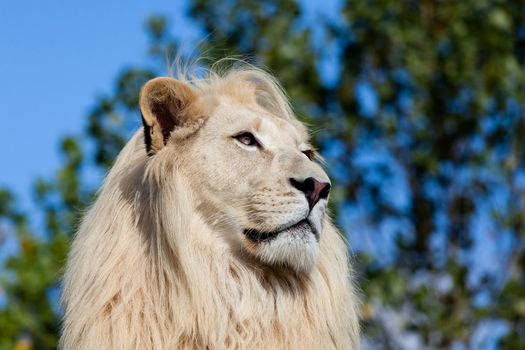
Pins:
<point x="294" y="246"/>
<point x="210" y="231"/>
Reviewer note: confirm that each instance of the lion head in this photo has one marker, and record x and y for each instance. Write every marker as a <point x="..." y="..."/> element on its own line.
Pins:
<point x="256" y="178"/>
<point x="210" y="230"/>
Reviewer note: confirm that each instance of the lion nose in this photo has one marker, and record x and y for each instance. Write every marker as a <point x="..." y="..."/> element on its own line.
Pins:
<point x="313" y="190"/>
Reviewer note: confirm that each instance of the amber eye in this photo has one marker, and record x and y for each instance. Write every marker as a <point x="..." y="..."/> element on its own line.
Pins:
<point x="309" y="153"/>
<point x="247" y="138"/>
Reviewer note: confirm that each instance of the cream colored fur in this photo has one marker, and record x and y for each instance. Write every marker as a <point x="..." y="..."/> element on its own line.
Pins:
<point x="160" y="261"/>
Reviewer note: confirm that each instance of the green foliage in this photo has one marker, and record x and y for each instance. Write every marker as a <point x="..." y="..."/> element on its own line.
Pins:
<point x="28" y="279"/>
<point x="445" y="129"/>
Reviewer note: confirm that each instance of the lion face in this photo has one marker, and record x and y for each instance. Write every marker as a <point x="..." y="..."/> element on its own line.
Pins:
<point x="256" y="182"/>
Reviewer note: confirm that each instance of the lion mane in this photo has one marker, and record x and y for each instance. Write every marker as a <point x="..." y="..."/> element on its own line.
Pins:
<point x="146" y="271"/>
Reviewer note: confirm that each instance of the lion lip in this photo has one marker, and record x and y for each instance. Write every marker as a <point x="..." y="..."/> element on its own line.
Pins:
<point x="261" y="236"/>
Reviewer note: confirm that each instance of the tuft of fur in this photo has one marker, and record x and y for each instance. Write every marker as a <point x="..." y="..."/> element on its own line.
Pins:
<point x="147" y="272"/>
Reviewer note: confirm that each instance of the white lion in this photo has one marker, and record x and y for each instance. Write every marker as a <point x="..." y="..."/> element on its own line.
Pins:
<point x="210" y="230"/>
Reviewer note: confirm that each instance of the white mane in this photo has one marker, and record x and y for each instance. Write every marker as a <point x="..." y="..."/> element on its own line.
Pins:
<point x="146" y="272"/>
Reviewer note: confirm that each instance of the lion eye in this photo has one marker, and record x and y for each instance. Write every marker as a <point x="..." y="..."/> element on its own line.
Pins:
<point x="309" y="153"/>
<point x="247" y="139"/>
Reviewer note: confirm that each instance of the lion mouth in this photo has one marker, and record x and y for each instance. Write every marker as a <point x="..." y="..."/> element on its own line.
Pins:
<point x="300" y="228"/>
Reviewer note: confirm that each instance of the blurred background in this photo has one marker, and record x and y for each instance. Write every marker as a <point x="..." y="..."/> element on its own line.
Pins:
<point x="417" y="106"/>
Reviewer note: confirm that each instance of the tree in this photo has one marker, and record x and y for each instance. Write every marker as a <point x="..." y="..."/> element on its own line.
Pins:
<point x="422" y="128"/>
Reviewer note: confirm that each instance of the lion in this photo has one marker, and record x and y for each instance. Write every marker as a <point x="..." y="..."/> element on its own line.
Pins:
<point x="210" y="230"/>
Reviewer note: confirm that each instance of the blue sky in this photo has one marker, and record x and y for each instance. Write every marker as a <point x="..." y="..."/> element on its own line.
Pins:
<point x="55" y="58"/>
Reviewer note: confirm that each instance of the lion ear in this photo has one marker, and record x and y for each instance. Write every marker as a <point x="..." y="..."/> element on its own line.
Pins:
<point x="163" y="102"/>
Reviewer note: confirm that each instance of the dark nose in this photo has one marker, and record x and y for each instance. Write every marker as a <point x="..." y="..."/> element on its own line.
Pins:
<point x="312" y="189"/>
